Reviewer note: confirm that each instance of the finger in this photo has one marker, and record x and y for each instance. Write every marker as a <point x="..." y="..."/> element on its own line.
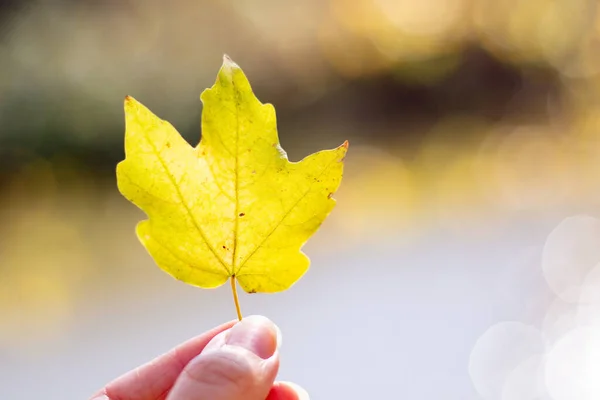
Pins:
<point x="287" y="391"/>
<point x="153" y="380"/>
<point x="238" y="364"/>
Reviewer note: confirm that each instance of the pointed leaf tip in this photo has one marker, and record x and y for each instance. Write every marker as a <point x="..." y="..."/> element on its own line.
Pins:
<point x="228" y="62"/>
<point x="345" y="144"/>
<point x="129" y="103"/>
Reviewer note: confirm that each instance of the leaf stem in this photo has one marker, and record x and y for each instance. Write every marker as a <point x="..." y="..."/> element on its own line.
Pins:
<point x="235" y="297"/>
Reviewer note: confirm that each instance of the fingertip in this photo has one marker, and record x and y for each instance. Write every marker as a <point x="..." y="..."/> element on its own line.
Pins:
<point x="257" y="334"/>
<point x="301" y="393"/>
<point x="272" y="325"/>
<point x="287" y="391"/>
<point x="240" y="362"/>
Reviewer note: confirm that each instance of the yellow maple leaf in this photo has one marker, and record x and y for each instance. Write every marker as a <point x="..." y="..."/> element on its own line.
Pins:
<point x="232" y="207"/>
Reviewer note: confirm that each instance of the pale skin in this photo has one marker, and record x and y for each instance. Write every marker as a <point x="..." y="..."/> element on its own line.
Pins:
<point x="234" y="361"/>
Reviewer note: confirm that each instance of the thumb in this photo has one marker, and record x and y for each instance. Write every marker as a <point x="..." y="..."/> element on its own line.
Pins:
<point x="238" y="364"/>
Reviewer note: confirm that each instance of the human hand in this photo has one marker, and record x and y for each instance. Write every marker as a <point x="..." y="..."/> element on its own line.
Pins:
<point x="234" y="361"/>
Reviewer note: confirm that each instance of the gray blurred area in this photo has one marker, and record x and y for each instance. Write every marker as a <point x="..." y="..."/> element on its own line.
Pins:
<point x="461" y="261"/>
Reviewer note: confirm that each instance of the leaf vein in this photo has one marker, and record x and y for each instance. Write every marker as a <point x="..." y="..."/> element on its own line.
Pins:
<point x="237" y="178"/>
<point x="185" y="205"/>
<point x="184" y="260"/>
<point x="268" y="235"/>
<point x="212" y="172"/>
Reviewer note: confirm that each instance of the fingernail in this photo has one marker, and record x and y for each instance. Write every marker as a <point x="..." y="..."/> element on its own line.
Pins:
<point x="256" y="334"/>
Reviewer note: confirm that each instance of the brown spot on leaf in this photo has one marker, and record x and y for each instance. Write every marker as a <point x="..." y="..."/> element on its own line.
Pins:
<point x="242" y="214"/>
<point x="252" y="291"/>
<point x="329" y="195"/>
<point x="168" y="145"/>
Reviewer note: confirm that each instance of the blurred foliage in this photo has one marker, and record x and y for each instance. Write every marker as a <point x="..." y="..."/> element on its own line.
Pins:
<point x="66" y="64"/>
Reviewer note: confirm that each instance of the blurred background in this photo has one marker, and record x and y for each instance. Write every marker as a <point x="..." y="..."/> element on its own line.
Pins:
<point x="462" y="260"/>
